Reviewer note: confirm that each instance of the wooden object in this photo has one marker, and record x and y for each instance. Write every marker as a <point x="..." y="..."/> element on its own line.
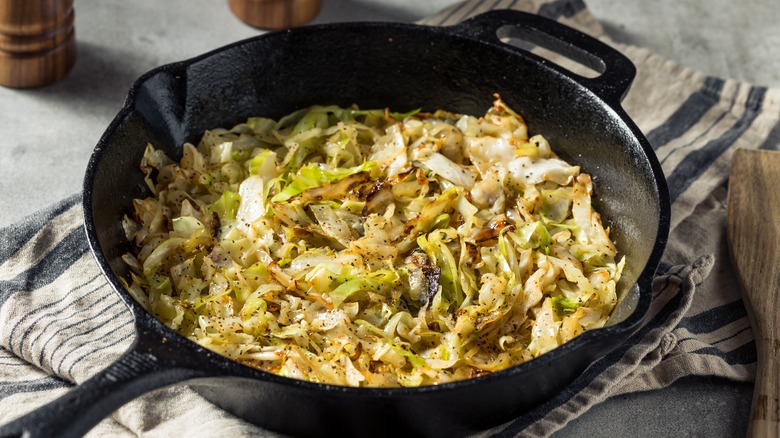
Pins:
<point x="37" y="42"/>
<point x="754" y="243"/>
<point x="275" y="14"/>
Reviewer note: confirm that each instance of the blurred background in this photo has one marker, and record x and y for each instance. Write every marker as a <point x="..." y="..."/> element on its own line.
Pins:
<point x="118" y="41"/>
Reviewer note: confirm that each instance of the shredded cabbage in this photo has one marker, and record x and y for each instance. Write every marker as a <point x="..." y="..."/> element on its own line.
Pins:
<point x="370" y="248"/>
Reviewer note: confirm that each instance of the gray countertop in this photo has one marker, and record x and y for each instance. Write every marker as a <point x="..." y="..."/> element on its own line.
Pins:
<point x="47" y="135"/>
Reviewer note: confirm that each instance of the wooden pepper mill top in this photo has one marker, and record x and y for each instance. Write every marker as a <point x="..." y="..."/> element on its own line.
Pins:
<point x="37" y="42"/>
<point x="275" y="14"/>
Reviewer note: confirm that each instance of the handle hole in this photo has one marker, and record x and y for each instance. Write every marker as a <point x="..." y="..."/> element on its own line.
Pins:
<point x="552" y="49"/>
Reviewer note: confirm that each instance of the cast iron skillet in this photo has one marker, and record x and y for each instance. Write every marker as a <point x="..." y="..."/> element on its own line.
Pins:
<point x="374" y="65"/>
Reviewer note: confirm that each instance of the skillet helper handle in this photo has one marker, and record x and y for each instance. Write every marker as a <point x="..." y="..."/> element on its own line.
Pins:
<point x="80" y="409"/>
<point x="617" y="72"/>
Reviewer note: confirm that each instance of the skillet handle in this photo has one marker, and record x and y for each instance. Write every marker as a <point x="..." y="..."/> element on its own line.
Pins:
<point x="136" y="372"/>
<point x="617" y="72"/>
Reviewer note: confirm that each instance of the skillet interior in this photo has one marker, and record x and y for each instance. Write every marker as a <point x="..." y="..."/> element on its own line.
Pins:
<point x="404" y="67"/>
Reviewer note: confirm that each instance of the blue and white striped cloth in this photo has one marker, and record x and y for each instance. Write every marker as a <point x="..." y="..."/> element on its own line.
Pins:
<point x="60" y="322"/>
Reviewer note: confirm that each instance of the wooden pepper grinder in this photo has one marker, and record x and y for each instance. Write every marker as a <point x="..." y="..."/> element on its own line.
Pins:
<point x="275" y="14"/>
<point x="37" y="42"/>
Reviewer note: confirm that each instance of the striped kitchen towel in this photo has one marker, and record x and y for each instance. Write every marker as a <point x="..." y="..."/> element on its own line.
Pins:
<point x="60" y="322"/>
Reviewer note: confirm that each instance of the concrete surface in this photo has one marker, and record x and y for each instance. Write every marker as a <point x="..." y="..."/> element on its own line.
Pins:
<point x="47" y="135"/>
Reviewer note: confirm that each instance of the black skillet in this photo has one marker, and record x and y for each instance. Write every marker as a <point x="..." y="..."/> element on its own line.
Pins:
<point x="374" y="65"/>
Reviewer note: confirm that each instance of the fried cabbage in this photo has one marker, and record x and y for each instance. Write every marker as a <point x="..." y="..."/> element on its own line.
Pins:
<point x="370" y="248"/>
